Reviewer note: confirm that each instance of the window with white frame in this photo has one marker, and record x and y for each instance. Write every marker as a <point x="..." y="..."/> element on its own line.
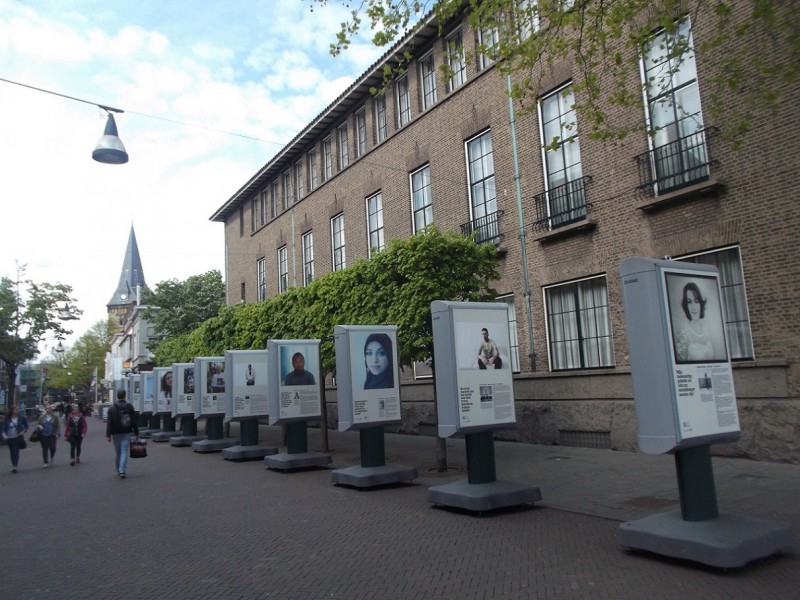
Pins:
<point x="427" y="74"/>
<point x="276" y="199"/>
<point x="381" y="125"/>
<point x="578" y="325"/>
<point x="488" y="39"/>
<point x="513" y="338"/>
<point x="298" y="180"/>
<point x="375" y="223"/>
<point x="482" y="193"/>
<point x="344" y="151"/>
<point x="456" y="60"/>
<point x="261" y="278"/>
<point x="673" y="109"/>
<point x="308" y="257"/>
<point x="403" y="101"/>
<point x="287" y="189"/>
<point x="283" y="269"/>
<point x="734" y="298"/>
<point x="255" y="218"/>
<point x="311" y="162"/>
<point x="564" y="184"/>
<point x="361" y="133"/>
<point x="327" y="159"/>
<point x="339" y="259"/>
<point x="421" y="198"/>
<point x="264" y="208"/>
<point x="527" y="18"/>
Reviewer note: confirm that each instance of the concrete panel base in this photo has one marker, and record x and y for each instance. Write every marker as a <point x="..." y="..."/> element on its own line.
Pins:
<point x="205" y="446"/>
<point x="163" y="436"/>
<point x="299" y="460"/>
<point x="367" y="477"/>
<point x="147" y="433"/>
<point x="247" y="452"/>
<point x="727" y="542"/>
<point x="185" y="440"/>
<point x="483" y="496"/>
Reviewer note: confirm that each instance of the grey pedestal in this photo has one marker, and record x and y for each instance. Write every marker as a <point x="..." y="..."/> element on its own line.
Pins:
<point x="163" y="436"/>
<point x="483" y="496"/>
<point x="146" y="433"/>
<point x="247" y="452"/>
<point x="366" y="477"/>
<point x="300" y="460"/>
<point x="205" y="446"/>
<point x="727" y="542"/>
<point x="185" y="440"/>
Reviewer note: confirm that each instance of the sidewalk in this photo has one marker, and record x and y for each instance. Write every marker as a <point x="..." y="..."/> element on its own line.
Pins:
<point x="189" y="525"/>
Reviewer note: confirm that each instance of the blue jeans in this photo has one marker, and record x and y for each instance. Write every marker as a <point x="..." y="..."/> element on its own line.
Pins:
<point x="13" y="448"/>
<point x="122" y="445"/>
<point x="48" y="444"/>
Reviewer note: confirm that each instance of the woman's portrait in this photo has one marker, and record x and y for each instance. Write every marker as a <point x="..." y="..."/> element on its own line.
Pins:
<point x="696" y="333"/>
<point x="166" y="384"/>
<point x="379" y="360"/>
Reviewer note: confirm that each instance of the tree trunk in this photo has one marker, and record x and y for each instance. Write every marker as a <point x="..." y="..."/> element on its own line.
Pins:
<point x="11" y="372"/>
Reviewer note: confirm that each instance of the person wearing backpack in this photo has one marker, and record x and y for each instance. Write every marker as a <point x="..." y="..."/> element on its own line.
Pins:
<point x="121" y="423"/>
<point x="75" y="431"/>
<point x="50" y="430"/>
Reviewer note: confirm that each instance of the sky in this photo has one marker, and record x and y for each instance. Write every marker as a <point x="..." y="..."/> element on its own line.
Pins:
<point x="258" y="69"/>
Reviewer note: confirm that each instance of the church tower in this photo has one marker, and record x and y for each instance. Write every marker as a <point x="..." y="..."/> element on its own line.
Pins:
<point x="131" y="278"/>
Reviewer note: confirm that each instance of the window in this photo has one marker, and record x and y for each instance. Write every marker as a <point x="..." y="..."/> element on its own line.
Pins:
<point x="513" y="339"/>
<point x="344" y="152"/>
<point x="527" y="19"/>
<point x="456" y="61"/>
<point x="241" y="220"/>
<point x="427" y="74"/>
<point x="242" y="290"/>
<point x="308" y="257"/>
<point x="403" y="102"/>
<point x="311" y="160"/>
<point x="276" y="202"/>
<point x="327" y="159"/>
<point x="261" y="278"/>
<point x="264" y="195"/>
<point x="565" y="194"/>
<point x="361" y="133"/>
<point x="488" y="38"/>
<point x="381" y="127"/>
<point x="337" y="242"/>
<point x="483" y="198"/>
<point x="421" y="199"/>
<point x="375" y="223"/>
<point x="255" y="218"/>
<point x="578" y="326"/>
<point x="734" y="298"/>
<point x="673" y="109"/>
<point x="298" y="180"/>
<point x="287" y="189"/>
<point x="283" y="269"/>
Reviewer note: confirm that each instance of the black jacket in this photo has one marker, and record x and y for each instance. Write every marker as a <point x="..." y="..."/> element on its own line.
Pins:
<point x="113" y="424"/>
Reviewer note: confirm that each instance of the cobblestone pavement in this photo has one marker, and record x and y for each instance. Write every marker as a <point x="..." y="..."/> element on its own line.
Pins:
<point x="190" y="525"/>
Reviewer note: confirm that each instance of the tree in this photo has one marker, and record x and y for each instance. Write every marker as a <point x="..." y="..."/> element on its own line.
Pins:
<point x="77" y="367"/>
<point x="178" y="307"/>
<point x="29" y="311"/>
<point x="754" y="54"/>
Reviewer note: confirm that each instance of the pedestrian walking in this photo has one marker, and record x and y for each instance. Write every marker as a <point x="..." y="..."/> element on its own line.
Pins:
<point x="14" y="428"/>
<point x="49" y="431"/>
<point x="75" y="431"/>
<point x="121" y="423"/>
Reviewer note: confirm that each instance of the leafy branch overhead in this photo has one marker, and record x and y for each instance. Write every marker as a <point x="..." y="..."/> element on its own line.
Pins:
<point x="748" y="59"/>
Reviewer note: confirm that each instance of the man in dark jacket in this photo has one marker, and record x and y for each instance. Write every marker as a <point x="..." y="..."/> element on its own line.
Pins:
<point x="121" y="422"/>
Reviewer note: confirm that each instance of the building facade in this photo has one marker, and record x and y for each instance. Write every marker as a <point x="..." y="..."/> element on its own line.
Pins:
<point x="443" y="147"/>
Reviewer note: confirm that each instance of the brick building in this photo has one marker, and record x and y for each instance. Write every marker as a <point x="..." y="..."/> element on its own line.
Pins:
<point x="437" y="147"/>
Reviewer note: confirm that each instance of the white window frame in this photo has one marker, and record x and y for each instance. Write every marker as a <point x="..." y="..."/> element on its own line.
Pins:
<point x="403" y="99"/>
<point x="344" y="150"/>
<point x="338" y="254"/>
<point x="276" y="198"/>
<point x="456" y="59"/>
<point x="427" y="75"/>
<point x="255" y="219"/>
<point x="261" y="278"/>
<point x="513" y="337"/>
<point x="360" y="124"/>
<point x="479" y="153"/>
<point x="283" y="269"/>
<point x="311" y="161"/>
<point x="327" y="159"/>
<point x="308" y="257"/>
<point x="381" y="119"/>
<point x="298" y="180"/>
<point x="527" y="18"/>
<point x="488" y="39"/>
<point x="421" y="198"/>
<point x="375" y="230"/>
<point x="286" y="180"/>
<point x="578" y="323"/>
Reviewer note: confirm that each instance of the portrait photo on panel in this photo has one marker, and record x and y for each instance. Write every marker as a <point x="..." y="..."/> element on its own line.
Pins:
<point x="695" y="313"/>
<point x="375" y="370"/>
<point x="483" y="344"/>
<point x="298" y="365"/>
<point x="215" y="377"/>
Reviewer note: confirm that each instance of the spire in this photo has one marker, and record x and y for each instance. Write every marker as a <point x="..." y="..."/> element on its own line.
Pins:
<point x="132" y="275"/>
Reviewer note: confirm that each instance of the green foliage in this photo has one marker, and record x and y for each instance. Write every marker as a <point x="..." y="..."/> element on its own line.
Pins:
<point x="76" y="367"/>
<point x="395" y="287"/>
<point x="29" y="311"/>
<point x="753" y="54"/>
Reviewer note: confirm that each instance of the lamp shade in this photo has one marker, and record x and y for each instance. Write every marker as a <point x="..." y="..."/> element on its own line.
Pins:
<point x="110" y="149"/>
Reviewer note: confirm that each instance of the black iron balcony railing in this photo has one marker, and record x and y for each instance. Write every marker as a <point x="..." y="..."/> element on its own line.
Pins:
<point x="677" y="164"/>
<point x="562" y="205"/>
<point x="486" y="228"/>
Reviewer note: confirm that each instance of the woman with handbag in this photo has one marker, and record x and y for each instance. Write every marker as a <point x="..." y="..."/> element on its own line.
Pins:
<point x="49" y="431"/>
<point x="75" y="431"/>
<point x="14" y="428"/>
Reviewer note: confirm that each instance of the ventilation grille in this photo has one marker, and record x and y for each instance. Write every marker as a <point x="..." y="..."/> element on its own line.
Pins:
<point x="585" y="439"/>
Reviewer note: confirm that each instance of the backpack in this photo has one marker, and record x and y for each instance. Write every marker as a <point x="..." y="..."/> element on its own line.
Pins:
<point x="125" y="421"/>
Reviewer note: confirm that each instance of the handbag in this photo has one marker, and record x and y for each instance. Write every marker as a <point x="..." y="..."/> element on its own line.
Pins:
<point x="35" y="435"/>
<point x="138" y="448"/>
<point x="22" y="443"/>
